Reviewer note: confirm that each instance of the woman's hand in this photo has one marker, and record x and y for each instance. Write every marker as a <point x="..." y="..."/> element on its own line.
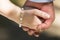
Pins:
<point x="36" y="21"/>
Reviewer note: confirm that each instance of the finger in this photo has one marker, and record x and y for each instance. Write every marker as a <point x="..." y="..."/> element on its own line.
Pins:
<point x="40" y="28"/>
<point x="31" y="32"/>
<point x="36" y="35"/>
<point x="42" y="14"/>
<point x="38" y="13"/>
<point x="50" y="11"/>
<point x="25" y="28"/>
<point x="46" y="24"/>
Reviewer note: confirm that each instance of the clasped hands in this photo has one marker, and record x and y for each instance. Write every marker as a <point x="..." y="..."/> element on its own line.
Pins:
<point x="36" y="23"/>
<point x="42" y="20"/>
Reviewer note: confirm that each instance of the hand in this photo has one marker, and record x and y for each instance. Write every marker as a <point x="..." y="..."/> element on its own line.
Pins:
<point x="49" y="8"/>
<point x="46" y="7"/>
<point x="36" y="21"/>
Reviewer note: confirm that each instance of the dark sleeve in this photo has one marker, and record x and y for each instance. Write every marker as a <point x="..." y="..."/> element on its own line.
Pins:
<point x="15" y="32"/>
<point x="6" y="22"/>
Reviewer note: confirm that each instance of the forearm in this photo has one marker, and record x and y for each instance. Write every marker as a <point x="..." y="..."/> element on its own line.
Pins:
<point x="12" y="17"/>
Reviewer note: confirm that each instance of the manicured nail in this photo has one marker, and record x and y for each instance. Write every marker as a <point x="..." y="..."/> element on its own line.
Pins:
<point x="47" y="15"/>
<point x="36" y="35"/>
<point x="25" y="29"/>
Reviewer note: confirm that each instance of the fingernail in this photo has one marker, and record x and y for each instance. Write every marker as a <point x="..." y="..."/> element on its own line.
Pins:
<point x="47" y="15"/>
<point x="29" y="33"/>
<point x="36" y="35"/>
<point x="25" y="29"/>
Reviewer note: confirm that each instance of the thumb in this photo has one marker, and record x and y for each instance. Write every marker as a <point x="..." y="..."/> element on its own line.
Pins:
<point x="38" y="13"/>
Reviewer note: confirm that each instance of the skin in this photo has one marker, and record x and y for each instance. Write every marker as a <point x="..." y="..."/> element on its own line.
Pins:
<point x="11" y="12"/>
<point x="46" y="7"/>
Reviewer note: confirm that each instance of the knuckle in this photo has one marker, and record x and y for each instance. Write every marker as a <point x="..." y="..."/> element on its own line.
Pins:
<point x="35" y="10"/>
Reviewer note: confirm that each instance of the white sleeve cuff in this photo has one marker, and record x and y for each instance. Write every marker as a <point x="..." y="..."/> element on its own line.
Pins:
<point x="41" y="1"/>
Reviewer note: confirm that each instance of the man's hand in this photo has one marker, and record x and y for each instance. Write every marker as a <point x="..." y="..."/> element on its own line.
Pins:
<point x="48" y="8"/>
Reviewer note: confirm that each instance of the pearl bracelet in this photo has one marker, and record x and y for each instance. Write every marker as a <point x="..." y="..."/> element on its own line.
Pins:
<point x="21" y="18"/>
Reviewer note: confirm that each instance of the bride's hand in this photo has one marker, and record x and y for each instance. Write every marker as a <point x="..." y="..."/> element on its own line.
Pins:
<point x="36" y="21"/>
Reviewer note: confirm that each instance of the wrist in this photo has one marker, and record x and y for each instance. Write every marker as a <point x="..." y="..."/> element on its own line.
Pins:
<point x="33" y="4"/>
